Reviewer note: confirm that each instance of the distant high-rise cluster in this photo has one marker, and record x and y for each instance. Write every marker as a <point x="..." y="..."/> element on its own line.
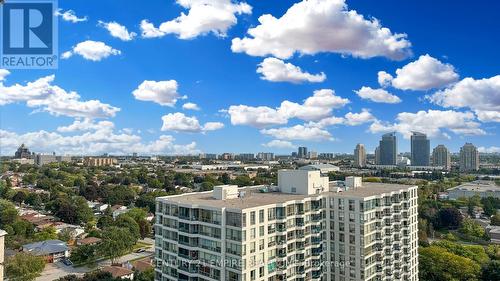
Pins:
<point x="360" y="155"/>
<point x="386" y="154"/>
<point x="469" y="158"/>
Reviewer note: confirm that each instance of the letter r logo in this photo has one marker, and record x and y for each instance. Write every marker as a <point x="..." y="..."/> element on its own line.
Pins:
<point x="27" y="27"/>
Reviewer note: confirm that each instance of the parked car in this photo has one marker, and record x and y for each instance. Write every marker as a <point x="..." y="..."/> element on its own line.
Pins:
<point x="141" y="250"/>
<point x="67" y="262"/>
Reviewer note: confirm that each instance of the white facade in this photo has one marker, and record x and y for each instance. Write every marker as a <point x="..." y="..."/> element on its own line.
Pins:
<point x="365" y="233"/>
<point x="2" y="252"/>
<point x="302" y="182"/>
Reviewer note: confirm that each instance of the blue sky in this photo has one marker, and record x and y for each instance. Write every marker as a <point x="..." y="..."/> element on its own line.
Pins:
<point x="447" y="84"/>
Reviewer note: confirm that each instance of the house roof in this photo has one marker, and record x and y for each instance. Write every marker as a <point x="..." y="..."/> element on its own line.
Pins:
<point x="89" y="241"/>
<point x="117" y="271"/>
<point x="46" y="247"/>
<point x="143" y="264"/>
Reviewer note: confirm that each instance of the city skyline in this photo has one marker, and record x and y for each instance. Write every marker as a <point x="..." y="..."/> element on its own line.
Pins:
<point x="154" y="83"/>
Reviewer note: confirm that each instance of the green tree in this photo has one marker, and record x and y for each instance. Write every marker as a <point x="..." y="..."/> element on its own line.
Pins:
<point x="48" y="233"/>
<point x="437" y="264"/>
<point x="472" y="229"/>
<point x="117" y="241"/>
<point x="24" y="267"/>
<point x="33" y="199"/>
<point x="19" y="197"/>
<point x="449" y="218"/>
<point x="129" y="223"/>
<point x="495" y="219"/>
<point x="147" y="275"/>
<point x="491" y="272"/>
<point x="8" y="213"/>
<point x="83" y="254"/>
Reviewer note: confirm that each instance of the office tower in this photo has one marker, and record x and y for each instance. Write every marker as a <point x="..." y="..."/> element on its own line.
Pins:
<point x="388" y="149"/>
<point x="420" y="149"/>
<point x="302" y="229"/>
<point x="265" y="156"/>
<point x="469" y="158"/>
<point x="22" y="152"/>
<point x="441" y="157"/>
<point x="360" y="156"/>
<point x="302" y="152"/>
<point x="377" y="155"/>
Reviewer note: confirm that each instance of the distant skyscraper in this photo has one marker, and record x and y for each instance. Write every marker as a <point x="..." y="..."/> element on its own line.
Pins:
<point x="22" y="152"/>
<point x="420" y="149"/>
<point x="360" y="155"/>
<point x="469" y="158"/>
<point x="377" y="155"/>
<point x="388" y="149"/>
<point x="302" y="152"/>
<point x="441" y="157"/>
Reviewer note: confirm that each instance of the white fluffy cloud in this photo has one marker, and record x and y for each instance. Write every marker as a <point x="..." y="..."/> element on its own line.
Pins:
<point x="424" y="74"/>
<point x="85" y="125"/>
<point x="434" y="123"/>
<point x="70" y="16"/>
<point x="384" y="78"/>
<point x="96" y="142"/>
<point x="91" y="50"/>
<point x="314" y="26"/>
<point x="161" y="92"/>
<point x="181" y="123"/>
<point x="41" y="94"/>
<point x="3" y="74"/>
<point x="276" y="70"/>
<point x="190" y="106"/>
<point x="488" y="115"/>
<point x="279" y="144"/>
<point x="491" y="149"/>
<point x="377" y="95"/>
<point x="298" y="132"/>
<point x="355" y="119"/>
<point x="349" y="119"/>
<point x="320" y="105"/>
<point x="259" y="116"/>
<point x="482" y="96"/>
<point x="117" y="30"/>
<point x="203" y="17"/>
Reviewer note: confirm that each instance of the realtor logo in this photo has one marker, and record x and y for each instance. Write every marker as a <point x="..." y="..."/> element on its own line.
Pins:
<point x="28" y="34"/>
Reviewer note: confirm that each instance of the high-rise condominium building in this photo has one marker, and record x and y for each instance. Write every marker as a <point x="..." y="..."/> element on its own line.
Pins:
<point x="469" y="158"/>
<point x="420" y="149"/>
<point x="377" y="155"/>
<point x="441" y="157"/>
<point x="246" y="156"/>
<point x="360" y="155"/>
<point x="302" y="229"/>
<point x="302" y="152"/>
<point x="265" y="156"/>
<point x="22" y="152"/>
<point x="388" y="149"/>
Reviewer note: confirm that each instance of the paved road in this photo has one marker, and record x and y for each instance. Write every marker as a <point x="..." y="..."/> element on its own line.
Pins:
<point x="57" y="270"/>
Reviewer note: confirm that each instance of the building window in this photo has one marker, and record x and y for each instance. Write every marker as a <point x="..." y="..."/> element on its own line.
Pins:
<point x="252" y="218"/>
